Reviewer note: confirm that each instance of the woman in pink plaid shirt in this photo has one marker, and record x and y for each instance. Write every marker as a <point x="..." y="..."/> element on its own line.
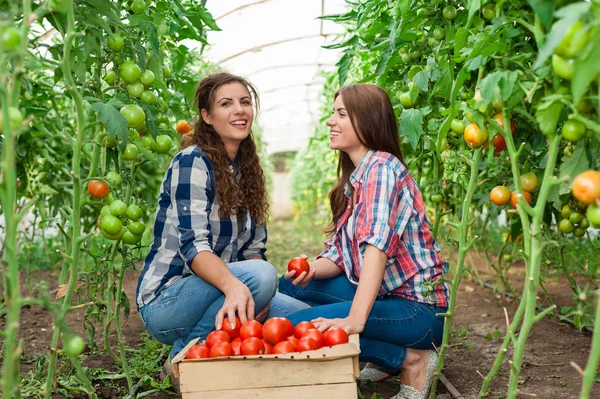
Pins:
<point x="380" y="274"/>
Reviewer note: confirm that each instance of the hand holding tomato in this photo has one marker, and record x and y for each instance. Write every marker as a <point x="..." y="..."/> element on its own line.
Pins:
<point x="304" y="277"/>
<point x="348" y="324"/>
<point x="238" y="298"/>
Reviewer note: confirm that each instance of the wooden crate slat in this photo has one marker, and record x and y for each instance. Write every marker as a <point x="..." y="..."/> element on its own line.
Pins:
<point x="333" y="391"/>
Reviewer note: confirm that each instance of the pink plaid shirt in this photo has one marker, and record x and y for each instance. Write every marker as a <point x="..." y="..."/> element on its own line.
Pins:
<point x="390" y="215"/>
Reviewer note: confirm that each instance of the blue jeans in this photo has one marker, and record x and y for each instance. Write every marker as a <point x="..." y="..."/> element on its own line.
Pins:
<point x="188" y="308"/>
<point x="394" y="323"/>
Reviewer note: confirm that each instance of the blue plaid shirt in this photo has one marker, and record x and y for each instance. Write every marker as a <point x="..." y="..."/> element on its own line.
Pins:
<point x="188" y="222"/>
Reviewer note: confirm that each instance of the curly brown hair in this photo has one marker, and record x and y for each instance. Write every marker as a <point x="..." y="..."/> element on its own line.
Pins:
<point x="251" y="193"/>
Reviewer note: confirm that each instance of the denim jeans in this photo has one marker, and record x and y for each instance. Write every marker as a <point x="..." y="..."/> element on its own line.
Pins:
<point x="188" y="308"/>
<point x="394" y="323"/>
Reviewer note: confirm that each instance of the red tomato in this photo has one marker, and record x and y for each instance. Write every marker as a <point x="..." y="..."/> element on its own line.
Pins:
<point x="183" y="127"/>
<point x="299" y="265"/>
<point x="293" y="340"/>
<point x="236" y="339"/>
<point x="221" y="349"/>
<point x="277" y="329"/>
<point x="302" y="327"/>
<point x="283" y="347"/>
<point x="252" y="346"/>
<point x="251" y="328"/>
<point x="514" y="200"/>
<point x="336" y="336"/>
<point x="499" y="143"/>
<point x="199" y="351"/>
<point x="97" y="189"/>
<point x="236" y="347"/>
<point x="306" y="344"/>
<point x="268" y="347"/>
<point x="316" y="335"/>
<point x="217" y="336"/>
<point x="233" y="332"/>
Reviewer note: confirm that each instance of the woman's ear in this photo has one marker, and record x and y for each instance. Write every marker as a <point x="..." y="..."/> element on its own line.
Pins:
<point x="206" y="117"/>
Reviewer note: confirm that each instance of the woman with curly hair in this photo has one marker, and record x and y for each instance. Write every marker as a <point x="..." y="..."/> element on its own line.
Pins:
<point x="207" y="260"/>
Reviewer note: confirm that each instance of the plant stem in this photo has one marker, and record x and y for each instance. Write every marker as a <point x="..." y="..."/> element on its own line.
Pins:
<point x="589" y="374"/>
<point x="463" y="247"/>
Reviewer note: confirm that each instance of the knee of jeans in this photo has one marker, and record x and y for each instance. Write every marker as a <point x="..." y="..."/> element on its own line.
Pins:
<point x="265" y="279"/>
<point x="286" y="286"/>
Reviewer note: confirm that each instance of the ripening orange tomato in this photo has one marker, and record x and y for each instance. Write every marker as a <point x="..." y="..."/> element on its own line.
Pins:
<point x="586" y="187"/>
<point x="183" y="127"/>
<point x="514" y="200"/>
<point x="500" y="195"/>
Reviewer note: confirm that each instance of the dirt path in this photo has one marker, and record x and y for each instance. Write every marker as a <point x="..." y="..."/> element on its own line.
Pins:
<point x="479" y="321"/>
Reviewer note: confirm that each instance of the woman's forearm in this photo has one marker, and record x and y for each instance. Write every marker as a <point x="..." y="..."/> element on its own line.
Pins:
<point x="210" y="268"/>
<point x="325" y="269"/>
<point x="371" y="277"/>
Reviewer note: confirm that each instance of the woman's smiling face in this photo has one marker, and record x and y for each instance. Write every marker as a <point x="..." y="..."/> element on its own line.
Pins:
<point x="232" y="113"/>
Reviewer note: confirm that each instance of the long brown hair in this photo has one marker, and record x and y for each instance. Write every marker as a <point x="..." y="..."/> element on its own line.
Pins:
<point x="251" y="193"/>
<point x="372" y="116"/>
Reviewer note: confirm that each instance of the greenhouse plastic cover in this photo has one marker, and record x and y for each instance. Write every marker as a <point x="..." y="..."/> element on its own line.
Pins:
<point x="288" y="74"/>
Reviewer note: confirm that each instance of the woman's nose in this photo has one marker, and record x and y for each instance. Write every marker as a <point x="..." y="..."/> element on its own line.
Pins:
<point x="329" y="122"/>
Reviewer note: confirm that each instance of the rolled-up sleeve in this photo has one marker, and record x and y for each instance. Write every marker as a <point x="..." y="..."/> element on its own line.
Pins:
<point x="331" y="252"/>
<point x="191" y="198"/>
<point x="257" y="246"/>
<point x="387" y="210"/>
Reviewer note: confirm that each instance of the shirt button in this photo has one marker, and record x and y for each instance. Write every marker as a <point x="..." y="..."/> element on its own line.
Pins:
<point x="185" y="208"/>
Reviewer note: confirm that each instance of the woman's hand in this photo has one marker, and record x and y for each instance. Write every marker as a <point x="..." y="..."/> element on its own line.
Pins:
<point x="238" y="298"/>
<point x="348" y="324"/>
<point x="304" y="278"/>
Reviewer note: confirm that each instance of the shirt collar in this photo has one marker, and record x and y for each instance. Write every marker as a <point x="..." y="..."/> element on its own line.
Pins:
<point x="358" y="173"/>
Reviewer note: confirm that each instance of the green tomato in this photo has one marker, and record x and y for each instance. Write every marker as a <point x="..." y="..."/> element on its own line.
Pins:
<point x="116" y="42"/>
<point x="489" y="11"/>
<point x="439" y="33"/>
<point x="135" y="89"/>
<point x="593" y="215"/>
<point x="573" y="130"/>
<point x="113" y="178"/>
<point x="457" y="126"/>
<point x="134" y="213"/>
<point x="163" y="144"/>
<point x="508" y="258"/>
<point x="585" y="223"/>
<point x="166" y="71"/>
<point x="136" y="228"/>
<point x="130" y="153"/>
<point x="117" y="59"/>
<point x="585" y="105"/>
<point x="147" y="78"/>
<point x="436" y="198"/>
<point x="574" y="41"/>
<point x="406" y="101"/>
<point x="579" y="232"/>
<point x="10" y="39"/>
<point x="74" y="346"/>
<point x="413" y="71"/>
<point x="148" y="97"/>
<point x="575" y="218"/>
<point x="111" y="224"/>
<point x="566" y="226"/>
<point x="110" y="77"/>
<point x="566" y="211"/>
<point x="563" y="68"/>
<point x="105" y="211"/>
<point x="109" y="141"/>
<point x="405" y="59"/>
<point x="131" y="239"/>
<point x="118" y="208"/>
<point x="130" y="72"/>
<point x="449" y="12"/>
<point x="150" y="143"/>
<point x="116" y="236"/>
<point x="134" y="115"/>
<point x="415" y="54"/>
<point x="15" y="118"/>
<point x="529" y="181"/>
<point x="138" y="6"/>
<point x="110" y="198"/>
<point x="133" y="135"/>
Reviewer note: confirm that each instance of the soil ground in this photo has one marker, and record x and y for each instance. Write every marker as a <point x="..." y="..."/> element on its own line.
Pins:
<point x="546" y="371"/>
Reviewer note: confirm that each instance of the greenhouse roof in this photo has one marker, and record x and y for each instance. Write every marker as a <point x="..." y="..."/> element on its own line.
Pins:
<point x="276" y="44"/>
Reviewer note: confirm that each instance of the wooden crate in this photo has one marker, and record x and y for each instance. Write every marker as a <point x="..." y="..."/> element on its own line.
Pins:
<point x="325" y="373"/>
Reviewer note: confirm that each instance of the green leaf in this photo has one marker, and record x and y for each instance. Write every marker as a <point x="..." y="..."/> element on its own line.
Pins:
<point x="473" y="6"/>
<point x="548" y="118"/>
<point x="543" y="9"/>
<point x="573" y="166"/>
<point x="344" y="66"/>
<point x="208" y="19"/>
<point x="421" y="80"/>
<point x="488" y="84"/>
<point x="507" y="83"/>
<point x="411" y="126"/>
<point x="460" y="40"/>
<point x="115" y="123"/>
<point x="586" y="70"/>
<point x="569" y="15"/>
